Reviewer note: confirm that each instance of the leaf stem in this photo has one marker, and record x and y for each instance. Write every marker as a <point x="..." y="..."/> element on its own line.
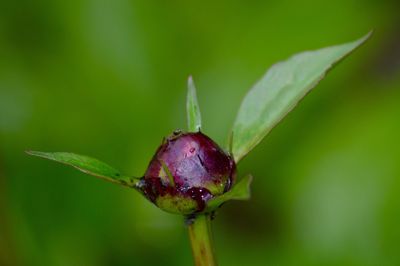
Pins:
<point x="201" y="240"/>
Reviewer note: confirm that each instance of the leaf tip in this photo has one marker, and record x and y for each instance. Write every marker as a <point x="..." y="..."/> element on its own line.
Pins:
<point x="190" y="83"/>
<point x="34" y="153"/>
<point x="41" y="154"/>
<point x="366" y="37"/>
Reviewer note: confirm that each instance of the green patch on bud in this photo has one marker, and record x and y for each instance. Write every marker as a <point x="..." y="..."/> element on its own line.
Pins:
<point x="178" y="204"/>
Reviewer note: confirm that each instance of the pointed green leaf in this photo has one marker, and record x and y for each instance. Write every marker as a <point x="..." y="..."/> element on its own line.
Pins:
<point x="240" y="191"/>
<point x="89" y="166"/>
<point x="279" y="91"/>
<point x="192" y="108"/>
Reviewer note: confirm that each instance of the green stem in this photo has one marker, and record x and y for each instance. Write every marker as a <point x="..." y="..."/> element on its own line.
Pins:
<point x="201" y="241"/>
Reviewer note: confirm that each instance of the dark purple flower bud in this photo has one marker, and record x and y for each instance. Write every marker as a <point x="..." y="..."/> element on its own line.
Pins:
<point x="187" y="170"/>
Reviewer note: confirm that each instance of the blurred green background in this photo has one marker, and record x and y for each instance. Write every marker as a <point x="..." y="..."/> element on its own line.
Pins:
<point x="108" y="79"/>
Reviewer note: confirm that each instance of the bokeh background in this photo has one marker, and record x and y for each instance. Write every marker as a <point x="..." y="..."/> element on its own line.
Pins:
<point x="108" y="79"/>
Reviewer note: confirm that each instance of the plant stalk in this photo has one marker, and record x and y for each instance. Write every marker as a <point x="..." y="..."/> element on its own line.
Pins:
<point x="201" y="241"/>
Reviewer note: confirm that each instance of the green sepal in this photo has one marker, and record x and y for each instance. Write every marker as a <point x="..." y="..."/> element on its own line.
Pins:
<point x="240" y="191"/>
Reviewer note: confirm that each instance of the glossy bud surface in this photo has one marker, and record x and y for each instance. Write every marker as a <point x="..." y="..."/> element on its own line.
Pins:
<point x="187" y="170"/>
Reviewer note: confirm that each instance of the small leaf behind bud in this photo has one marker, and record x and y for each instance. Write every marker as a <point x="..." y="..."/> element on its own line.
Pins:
<point x="192" y="108"/>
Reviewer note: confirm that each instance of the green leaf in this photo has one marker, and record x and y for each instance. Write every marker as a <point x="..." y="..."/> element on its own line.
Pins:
<point x="192" y="108"/>
<point x="279" y="91"/>
<point x="89" y="166"/>
<point x="240" y="191"/>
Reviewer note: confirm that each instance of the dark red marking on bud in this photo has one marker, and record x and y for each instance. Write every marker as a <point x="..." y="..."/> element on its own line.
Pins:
<point x="200" y="171"/>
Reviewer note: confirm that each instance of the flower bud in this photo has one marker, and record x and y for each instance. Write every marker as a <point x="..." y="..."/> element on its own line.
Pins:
<point x="187" y="170"/>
